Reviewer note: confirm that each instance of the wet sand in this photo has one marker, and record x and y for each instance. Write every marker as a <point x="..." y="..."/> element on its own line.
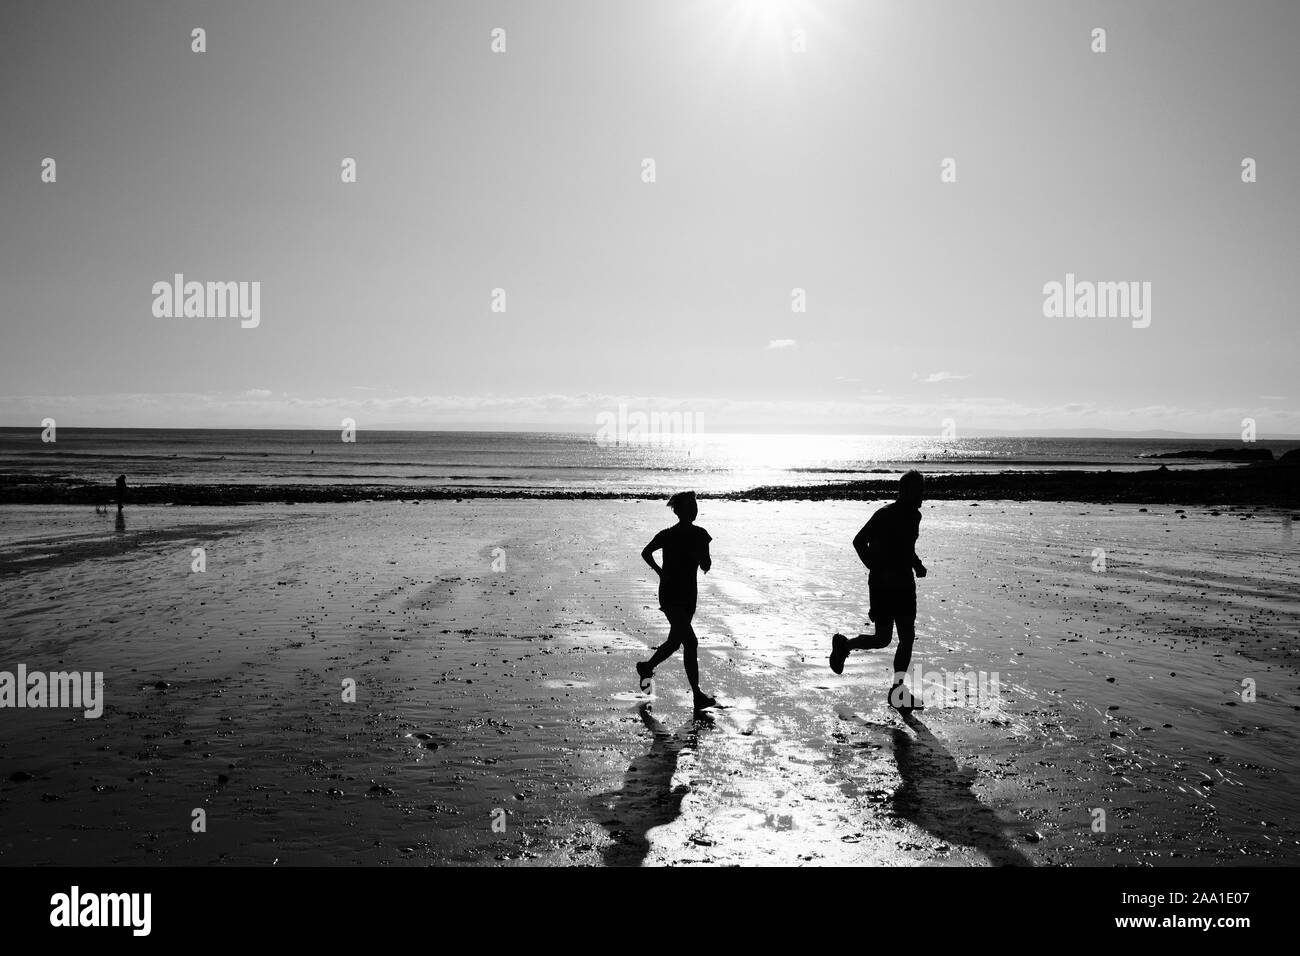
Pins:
<point x="511" y="689"/>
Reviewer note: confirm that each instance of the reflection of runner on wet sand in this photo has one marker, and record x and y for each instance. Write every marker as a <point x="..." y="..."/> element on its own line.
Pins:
<point x="648" y="798"/>
<point x="935" y="794"/>
<point x="932" y="792"/>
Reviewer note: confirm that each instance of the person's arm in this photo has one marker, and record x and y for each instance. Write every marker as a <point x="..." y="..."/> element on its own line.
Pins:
<point x="917" y="566"/>
<point x="862" y="545"/>
<point x="647" y="555"/>
<point x="706" y="562"/>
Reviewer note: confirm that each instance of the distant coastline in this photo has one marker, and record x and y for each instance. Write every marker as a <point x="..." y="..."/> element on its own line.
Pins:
<point x="198" y="467"/>
<point x="1269" y="484"/>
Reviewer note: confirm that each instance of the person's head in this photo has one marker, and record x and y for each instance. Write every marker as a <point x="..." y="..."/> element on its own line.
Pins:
<point x="911" y="489"/>
<point x="684" y="506"/>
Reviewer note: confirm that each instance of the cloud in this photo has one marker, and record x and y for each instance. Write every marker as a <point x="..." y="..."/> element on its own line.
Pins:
<point x="937" y="377"/>
<point x="781" y="344"/>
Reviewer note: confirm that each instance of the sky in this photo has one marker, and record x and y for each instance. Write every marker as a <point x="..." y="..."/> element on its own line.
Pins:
<point x="775" y="169"/>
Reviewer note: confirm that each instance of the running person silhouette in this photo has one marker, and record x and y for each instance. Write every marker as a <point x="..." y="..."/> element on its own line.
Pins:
<point x="685" y="547"/>
<point x="887" y="546"/>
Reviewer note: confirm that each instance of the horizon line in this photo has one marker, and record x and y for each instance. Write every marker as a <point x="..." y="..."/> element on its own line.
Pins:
<point x="524" y="428"/>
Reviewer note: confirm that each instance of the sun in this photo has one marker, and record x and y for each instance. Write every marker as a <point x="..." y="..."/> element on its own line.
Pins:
<point x="760" y="30"/>
<point x="766" y="19"/>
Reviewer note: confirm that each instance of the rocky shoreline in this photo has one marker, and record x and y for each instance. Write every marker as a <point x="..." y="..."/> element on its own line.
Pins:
<point x="1265" y="485"/>
<point x="1269" y="485"/>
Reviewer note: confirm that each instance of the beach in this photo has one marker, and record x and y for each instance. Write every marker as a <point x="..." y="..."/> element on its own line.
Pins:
<point x="497" y="720"/>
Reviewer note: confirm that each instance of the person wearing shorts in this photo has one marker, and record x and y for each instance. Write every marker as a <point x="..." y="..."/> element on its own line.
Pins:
<point x="685" y="549"/>
<point x="887" y="546"/>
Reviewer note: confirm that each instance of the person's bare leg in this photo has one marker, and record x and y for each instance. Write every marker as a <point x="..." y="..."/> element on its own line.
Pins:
<point x="691" y="661"/>
<point x="873" y="642"/>
<point x="900" y="696"/>
<point x="664" y="650"/>
<point x="645" y="669"/>
<point x="842" y="647"/>
<point x="906" y="635"/>
<point x="690" y="658"/>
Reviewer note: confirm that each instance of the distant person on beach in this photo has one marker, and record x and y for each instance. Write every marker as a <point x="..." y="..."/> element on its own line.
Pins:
<point x="887" y="546"/>
<point x="685" y="547"/>
<point x="121" y="491"/>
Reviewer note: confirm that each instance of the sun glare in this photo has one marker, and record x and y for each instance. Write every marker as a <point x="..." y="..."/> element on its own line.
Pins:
<point x="765" y="20"/>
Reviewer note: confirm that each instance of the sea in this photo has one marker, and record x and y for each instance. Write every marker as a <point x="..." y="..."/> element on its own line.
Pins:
<point x="557" y="461"/>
